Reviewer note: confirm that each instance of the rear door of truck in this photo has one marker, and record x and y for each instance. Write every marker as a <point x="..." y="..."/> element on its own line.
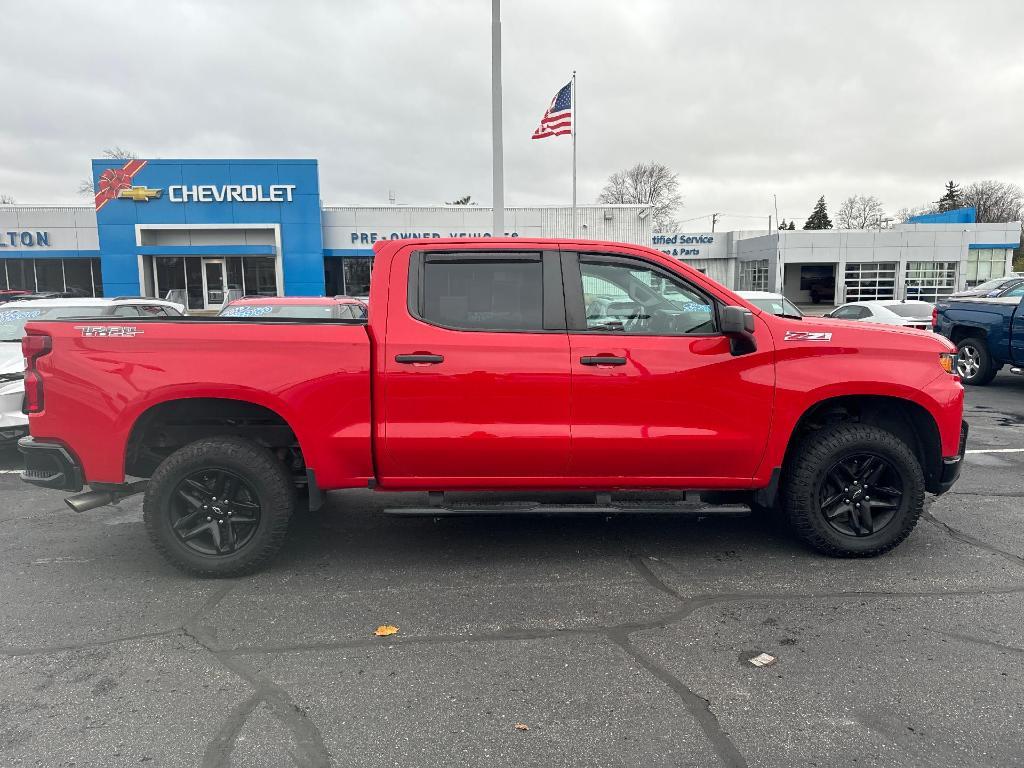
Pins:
<point x="474" y="380"/>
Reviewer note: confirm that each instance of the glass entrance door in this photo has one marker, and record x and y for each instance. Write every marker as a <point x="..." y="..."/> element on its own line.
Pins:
<point x="213" y="284"/>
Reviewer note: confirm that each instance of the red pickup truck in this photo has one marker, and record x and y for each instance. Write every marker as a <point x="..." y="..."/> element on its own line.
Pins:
<point x="489" y="365"/>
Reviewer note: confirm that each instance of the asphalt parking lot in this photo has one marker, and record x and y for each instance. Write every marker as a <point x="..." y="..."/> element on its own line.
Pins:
<point x="615" y="642"/>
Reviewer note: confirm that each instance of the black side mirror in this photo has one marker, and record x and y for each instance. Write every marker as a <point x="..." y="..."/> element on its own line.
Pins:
<point x="737" y="324"/>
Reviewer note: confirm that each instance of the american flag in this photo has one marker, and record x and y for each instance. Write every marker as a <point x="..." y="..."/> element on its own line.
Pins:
<point x="557" y="120"/>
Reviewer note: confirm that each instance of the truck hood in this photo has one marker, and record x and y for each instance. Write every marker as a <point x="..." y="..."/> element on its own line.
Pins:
<point x="11" y="358"/>
<point x="858" y="331"/>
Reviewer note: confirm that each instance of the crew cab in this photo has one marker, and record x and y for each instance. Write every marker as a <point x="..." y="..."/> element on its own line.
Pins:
<point x="491" y="365"/>
<point x="988" y="333"/>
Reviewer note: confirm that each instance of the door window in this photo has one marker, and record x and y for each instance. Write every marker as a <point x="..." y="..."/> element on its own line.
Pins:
<point x="628" y="297"/>
<point x="483" y="293"/>
<point x="851" y="313"/>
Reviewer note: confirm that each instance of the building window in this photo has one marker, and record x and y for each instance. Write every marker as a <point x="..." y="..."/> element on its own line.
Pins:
<point x="929" y="280"/>
<point x="985" y="264"/>
<point x="79" y="277"/>
<point x="260" y="275"/>
<point x="754" y="275"/>
<point x="870" y="281"/>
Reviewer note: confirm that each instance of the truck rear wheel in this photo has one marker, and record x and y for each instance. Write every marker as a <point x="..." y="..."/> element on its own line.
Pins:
<point x="853" y="490"/>
<point x="219" y="507"/>
<point x="974" y="363"/>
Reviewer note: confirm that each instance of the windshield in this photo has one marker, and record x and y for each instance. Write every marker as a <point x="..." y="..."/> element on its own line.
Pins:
<point x="299" y="311"/>
<point x="13" y="319"/>
<point x="991" y="285"/>
<point x="911" y="310"/>
<point x="777" y="306"/>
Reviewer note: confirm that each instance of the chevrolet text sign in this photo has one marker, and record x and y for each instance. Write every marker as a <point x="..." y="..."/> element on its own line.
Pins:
<point x="230" y="193"/>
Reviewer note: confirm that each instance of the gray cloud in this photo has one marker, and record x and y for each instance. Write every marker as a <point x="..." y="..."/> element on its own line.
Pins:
<point x="743" y="99"/>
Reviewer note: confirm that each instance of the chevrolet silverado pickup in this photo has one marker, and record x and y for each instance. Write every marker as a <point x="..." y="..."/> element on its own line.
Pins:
<point x="988" y="333"/>
<point x="488" y="365"/>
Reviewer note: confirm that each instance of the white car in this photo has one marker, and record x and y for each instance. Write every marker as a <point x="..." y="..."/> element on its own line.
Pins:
<point x="909" y="314"/>
<point x="775" y="303"/>
<point x="14" y="315"/>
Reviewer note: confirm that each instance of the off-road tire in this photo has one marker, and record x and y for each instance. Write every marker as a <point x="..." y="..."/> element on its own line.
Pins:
<point x="987" y="370"/>
<point x="806" y="470"/>
<point x="264" y="474"/>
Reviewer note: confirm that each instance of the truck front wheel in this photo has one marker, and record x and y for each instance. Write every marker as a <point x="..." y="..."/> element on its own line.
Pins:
<point x="853" y="490"/>
<point x="219" y="507"/>
<point x="974" y="363"/>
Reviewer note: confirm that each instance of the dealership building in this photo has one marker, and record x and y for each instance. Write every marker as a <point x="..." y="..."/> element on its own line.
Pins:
<point x="204" y="231"/>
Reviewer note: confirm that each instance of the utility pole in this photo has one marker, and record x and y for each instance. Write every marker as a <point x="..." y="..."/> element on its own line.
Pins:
<point x="498" y="165"/>
<point x="714" y="220"/>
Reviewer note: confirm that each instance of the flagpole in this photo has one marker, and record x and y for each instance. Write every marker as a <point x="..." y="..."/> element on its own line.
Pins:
<point x="575" y="232"/>
<point x="497" y="168"/>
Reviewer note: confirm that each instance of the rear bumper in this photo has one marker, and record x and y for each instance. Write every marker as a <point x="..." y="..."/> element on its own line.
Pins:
<point x="951" y="465"/>
<point x="50" y="465"/>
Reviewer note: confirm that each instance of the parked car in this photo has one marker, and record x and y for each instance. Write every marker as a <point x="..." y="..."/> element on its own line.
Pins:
<point x="775" y="303"/>
<point x="988" y="333"/>
<point x="909" y="314"/>
<point x="13" y="317"/>
<point x="297" y="307"/>
<point x="11" y="295"/>
<point x="481" y="369"/>
<point x="1000" y="286"/>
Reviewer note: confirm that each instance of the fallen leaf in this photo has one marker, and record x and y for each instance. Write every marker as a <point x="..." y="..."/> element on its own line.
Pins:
<point x="385" y="629"/>
<point x="522" y="727"/>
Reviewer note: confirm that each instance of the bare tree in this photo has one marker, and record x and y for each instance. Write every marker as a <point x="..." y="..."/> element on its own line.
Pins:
<point x="85" y="186"/>
<point x="903" y="215"/>
<point x="860" y="212"/>
<point x="650" y="184"/>
<point x="7" y="199"/>
<point x="994" y="201"/>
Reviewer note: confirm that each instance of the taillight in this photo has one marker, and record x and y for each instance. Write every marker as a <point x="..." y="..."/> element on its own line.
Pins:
<point x="34" y="346"/>
<point x="935" y="318"/>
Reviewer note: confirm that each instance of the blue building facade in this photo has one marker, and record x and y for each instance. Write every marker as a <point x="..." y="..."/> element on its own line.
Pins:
<point x="209" y="228"/>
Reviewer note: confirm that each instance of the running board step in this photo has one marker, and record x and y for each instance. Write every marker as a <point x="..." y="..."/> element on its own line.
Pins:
<point x="532" y="508"/>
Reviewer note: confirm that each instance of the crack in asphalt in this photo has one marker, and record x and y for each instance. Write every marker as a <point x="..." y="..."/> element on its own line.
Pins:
<point x="966" y="538"/>
<point x="978" y="641"/>
<point x="309" y="740"/>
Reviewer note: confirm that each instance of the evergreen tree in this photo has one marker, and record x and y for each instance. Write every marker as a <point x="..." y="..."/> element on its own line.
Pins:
<point x="819" y="216"/>
<point x="782" y="224"/>
<point x="792" y="225"/>
<point x="952" y="198"/>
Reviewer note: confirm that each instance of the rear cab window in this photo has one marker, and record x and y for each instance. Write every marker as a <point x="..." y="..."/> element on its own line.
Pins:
<point x="487" y="291"/>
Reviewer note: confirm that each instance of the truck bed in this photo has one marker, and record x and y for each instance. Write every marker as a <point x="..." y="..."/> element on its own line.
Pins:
<point x="294" y="368"/>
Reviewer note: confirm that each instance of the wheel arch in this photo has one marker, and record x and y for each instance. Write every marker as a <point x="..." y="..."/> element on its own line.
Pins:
<point x="908" y="420"/>
<point x="959" y="331"/>
<point x="171" y="423"/>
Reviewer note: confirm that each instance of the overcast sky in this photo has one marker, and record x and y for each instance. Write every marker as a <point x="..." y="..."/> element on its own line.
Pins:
<point x="742" y="99"/>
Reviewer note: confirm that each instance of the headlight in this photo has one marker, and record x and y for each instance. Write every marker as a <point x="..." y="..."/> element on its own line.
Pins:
<point x="948" y="362"/>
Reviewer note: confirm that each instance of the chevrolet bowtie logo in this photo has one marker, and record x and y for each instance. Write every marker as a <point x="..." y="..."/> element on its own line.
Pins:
<point x="139" y="194"/>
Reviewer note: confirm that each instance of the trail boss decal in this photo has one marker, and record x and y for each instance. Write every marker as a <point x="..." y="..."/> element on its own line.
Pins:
<point x="109" y="331"/>
<point x="807" y="336"/>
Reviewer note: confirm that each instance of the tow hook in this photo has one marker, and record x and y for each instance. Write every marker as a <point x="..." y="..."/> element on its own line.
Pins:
<point x="83" y="502"/>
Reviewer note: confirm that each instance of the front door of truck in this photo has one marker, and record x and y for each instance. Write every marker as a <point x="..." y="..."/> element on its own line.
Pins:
<point x="475" y="370"/>
<point x="658" y="397"/>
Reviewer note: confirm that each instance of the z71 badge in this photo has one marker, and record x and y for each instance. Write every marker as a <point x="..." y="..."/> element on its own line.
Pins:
<point x="807" y="336"/>
<point x="110" y="331"/>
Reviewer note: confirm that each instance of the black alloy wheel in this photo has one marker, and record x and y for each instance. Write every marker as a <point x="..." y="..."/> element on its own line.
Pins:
<point x="860" y="494"/>
<point x="214" y="512"/>
<point x="219" y="507"/>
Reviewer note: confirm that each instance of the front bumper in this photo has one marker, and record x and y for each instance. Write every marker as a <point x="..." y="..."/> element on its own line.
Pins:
<point x="951" y="465"/>
<point x="50" y="465"/>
